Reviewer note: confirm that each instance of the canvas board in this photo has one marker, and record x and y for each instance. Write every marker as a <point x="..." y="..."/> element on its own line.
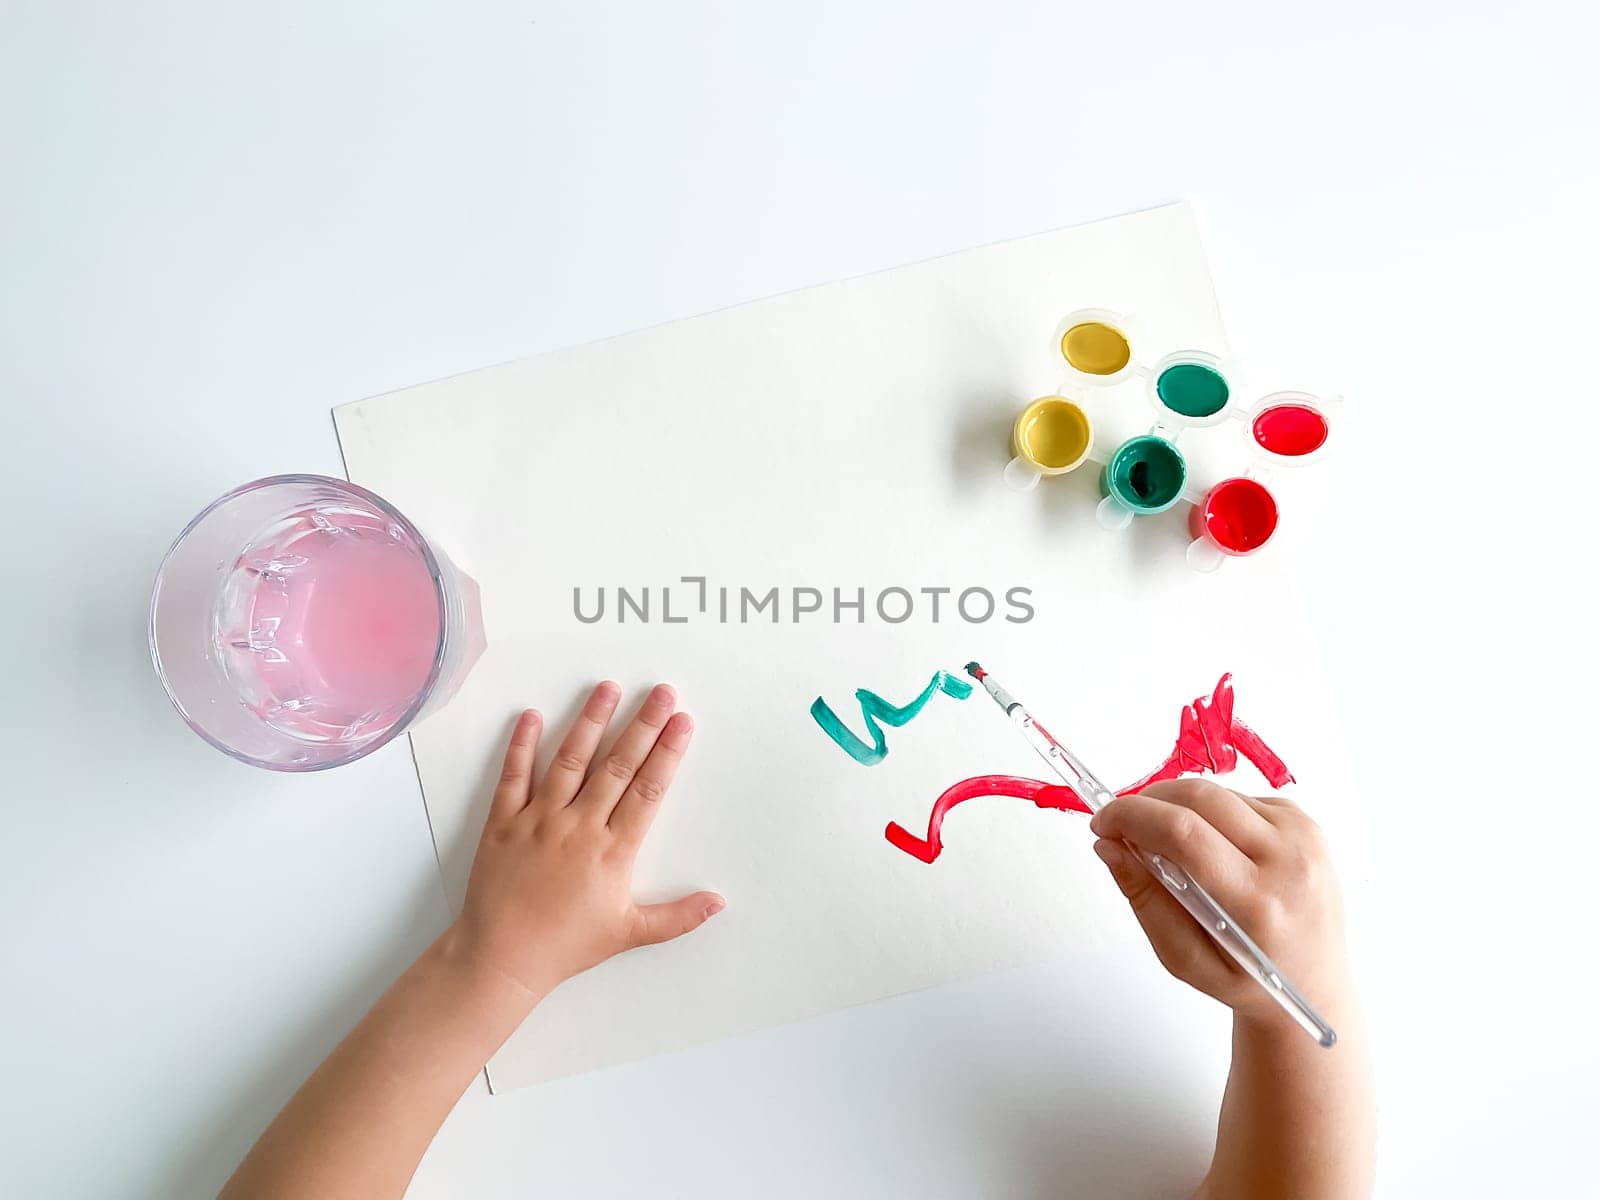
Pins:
<point x="845" y="438"/>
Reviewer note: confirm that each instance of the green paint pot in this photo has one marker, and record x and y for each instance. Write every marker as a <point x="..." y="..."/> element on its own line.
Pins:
<point x="1146" y="475"/>
<point x="1191" y="389"/>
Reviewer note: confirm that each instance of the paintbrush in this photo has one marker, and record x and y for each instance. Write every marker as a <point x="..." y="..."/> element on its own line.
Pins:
<point x="1196" y="901"/>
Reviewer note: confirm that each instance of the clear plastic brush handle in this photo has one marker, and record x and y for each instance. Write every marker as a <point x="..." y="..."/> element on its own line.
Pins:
<point x="1235" y="942"/>
<point x="1196" y="901"/>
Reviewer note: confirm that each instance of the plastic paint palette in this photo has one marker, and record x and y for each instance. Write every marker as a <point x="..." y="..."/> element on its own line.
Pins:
<point x="1148" y="474"/>
<point x="1239" y="515"/>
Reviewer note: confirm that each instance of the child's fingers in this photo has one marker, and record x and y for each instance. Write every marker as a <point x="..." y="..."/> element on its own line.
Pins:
<point x="1181" y="945"/>
<point x="1293" y="824"/>
<point x="1272" y="807"/>
<point x="567" y="769"/>
<point x="1183" y="835"/>
<point x="634" y="812"/>
<point x="511" y="792"/>
<point x="610" y="779"/>
<point x="1229" y="813"/>
<point x="662" y="922"/>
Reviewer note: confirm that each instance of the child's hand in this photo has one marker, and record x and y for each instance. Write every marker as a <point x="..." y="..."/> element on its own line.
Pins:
<point x="1265" y="862"/>
<point x="550" y="890"/>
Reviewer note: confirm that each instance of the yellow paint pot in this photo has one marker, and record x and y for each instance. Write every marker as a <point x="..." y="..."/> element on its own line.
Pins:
<point x="1095" y="348"/>
<point x="1050" y="437"/>
<point x="1096" y="345"/>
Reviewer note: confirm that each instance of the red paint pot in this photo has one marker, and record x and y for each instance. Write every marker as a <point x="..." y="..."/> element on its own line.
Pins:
<point x="1238" y="516"/>
<point x="1290" y="430"/>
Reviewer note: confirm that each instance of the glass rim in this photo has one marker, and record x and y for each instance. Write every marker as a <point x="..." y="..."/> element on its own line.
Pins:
<point x="441" y="598"/>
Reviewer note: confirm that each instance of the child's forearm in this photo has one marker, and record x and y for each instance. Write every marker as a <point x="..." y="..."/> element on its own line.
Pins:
<point x="360" y="1125"/>
<point x="550" y="895"/>
<point x="1296" y="1118"/>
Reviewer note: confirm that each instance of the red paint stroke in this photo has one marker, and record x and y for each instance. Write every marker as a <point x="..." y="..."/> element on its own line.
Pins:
<point x="1210" y="740"/>
<point x="1045" y="795"/>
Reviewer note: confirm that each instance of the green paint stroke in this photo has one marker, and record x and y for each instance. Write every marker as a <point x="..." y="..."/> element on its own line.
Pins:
<point x="875" y="708"/>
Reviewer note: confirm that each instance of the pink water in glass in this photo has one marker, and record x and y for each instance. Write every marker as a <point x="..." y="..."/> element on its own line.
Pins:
<point x="329" y="624"/>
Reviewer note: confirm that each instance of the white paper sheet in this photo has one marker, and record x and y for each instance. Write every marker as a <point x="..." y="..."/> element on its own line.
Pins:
<point x="846" y="436"/>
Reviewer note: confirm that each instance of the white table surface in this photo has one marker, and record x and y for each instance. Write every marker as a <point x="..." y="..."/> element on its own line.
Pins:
<point x="218" y="220"/>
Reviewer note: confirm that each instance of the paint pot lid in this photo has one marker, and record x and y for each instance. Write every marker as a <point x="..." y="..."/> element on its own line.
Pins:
<point x="1291" y="429"/>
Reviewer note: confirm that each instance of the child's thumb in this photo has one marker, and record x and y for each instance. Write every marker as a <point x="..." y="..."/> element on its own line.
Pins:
<point x="1181" y="945"/>
<point x="663" y="922"/>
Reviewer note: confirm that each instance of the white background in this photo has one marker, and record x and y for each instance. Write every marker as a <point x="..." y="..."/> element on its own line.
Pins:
<point x="218" y="220"/>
